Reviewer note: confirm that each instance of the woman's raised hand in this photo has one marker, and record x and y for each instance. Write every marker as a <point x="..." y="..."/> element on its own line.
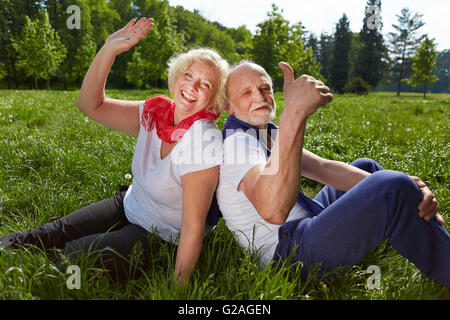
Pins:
<point x="125" y="38"/>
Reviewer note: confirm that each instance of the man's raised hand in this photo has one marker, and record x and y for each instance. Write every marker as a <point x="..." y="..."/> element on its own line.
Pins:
<point x="127" y="37"/>
<point x="305" y="94"/>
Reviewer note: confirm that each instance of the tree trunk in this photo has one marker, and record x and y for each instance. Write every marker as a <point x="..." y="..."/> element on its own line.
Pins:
<point x="35" y="83"/>
<point x="399" y="84"/>
<point x="424" y="90"/>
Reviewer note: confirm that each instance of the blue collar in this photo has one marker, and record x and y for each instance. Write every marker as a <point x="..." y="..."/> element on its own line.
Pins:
<point x="233" y="124"/>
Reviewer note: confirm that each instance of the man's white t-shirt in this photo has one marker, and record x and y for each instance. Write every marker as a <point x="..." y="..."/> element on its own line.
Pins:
<point x="154" y="201"/>
<point x="242" y="151"/>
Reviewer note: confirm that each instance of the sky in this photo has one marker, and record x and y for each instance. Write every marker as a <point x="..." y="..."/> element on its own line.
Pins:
<point x="322" y="15"/>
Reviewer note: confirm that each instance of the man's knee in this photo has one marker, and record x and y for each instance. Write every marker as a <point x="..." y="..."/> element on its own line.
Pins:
<point x="398" y="183"/>
<point x="367" y="164"/>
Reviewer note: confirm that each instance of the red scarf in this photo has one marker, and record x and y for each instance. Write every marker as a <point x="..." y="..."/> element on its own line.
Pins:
<point x="160" y="111"/>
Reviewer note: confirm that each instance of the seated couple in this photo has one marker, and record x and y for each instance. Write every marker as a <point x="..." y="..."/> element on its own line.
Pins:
<point x="360" y="206"/>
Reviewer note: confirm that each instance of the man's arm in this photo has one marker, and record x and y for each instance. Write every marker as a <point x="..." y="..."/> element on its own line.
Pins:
<point x="336" y="174"/>
<point x="343" y="176"/>
<point x="273" y="194"/>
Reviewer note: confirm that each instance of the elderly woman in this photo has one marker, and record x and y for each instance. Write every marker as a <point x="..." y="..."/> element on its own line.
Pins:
<point x="175" y="163"/>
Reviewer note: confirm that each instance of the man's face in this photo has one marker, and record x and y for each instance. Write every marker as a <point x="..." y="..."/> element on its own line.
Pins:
<point x="250" y="95"/>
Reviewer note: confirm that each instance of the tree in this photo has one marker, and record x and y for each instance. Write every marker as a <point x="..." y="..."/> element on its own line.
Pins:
<point x="243" y="41"/>
<point x="276" y="40"/>
<point x="423" y="64"/>
<point x="403" y="44"/>
<point x="340" y="65"/>
<point x="196" y="31"/>
<point x="442" y="72"/>
<point x="325" y="48"/>
<point x="300" y="58"/>
<point x="40" y="50"/>
<point x="12" y="20"/>
<point x="371" y="60"/>
<point x="80" y="44"/>
<point x="148" y="65"/>
<point x="313" y="43"/>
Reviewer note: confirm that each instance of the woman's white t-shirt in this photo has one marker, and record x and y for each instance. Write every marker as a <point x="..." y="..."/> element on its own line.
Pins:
<point x="154" y="201"/>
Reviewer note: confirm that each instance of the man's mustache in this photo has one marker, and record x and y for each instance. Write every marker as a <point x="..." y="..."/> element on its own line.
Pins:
<point x="261" y="105"/>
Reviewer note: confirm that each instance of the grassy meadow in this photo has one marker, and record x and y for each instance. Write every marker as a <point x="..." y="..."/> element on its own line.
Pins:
<point x="55" y="160"/>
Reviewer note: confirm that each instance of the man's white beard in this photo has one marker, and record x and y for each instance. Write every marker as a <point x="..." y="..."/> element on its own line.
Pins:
<point x="259" y="120"/>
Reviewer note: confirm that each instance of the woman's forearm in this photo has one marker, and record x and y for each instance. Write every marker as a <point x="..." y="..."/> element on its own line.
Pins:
<point x="92" y="92"/>
<point x="188" y="252"/>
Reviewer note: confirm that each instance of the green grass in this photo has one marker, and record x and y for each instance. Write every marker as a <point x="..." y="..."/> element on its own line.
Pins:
<point x="55" y="160"/>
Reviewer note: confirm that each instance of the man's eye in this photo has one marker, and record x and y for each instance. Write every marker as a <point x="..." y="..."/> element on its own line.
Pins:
<point x="188" y="75"/>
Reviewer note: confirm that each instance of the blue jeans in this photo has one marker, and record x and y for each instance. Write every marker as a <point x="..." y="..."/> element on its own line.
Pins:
<point x="382" y="206"/>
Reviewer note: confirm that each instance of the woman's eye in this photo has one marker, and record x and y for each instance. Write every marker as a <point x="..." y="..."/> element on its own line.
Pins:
<point x="188" y="75"/>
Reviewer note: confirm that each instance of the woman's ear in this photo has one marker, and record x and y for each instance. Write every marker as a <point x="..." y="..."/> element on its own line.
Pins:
<point x="228" y="108"/>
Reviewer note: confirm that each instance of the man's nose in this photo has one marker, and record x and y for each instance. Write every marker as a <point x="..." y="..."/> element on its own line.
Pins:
<point x="258" y="96"/>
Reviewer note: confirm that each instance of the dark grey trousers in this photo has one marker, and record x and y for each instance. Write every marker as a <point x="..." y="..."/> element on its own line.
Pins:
<point x="100" y="230"/>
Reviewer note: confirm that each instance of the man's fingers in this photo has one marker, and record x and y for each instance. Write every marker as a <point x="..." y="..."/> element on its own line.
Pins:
<point x="418" y="181"/>
<point x="323" y="88"/>
<point x="428" y="197"/>
<point x="326" y="98"/>
<point x="428" y="209"/>
<point x="288" y="72"/>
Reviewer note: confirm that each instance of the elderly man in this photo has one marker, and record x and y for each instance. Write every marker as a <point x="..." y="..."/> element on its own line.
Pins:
<point x="360" y="206"/>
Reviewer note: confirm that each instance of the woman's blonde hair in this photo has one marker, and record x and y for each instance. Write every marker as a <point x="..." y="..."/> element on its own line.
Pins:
<point x="179" y="64"/>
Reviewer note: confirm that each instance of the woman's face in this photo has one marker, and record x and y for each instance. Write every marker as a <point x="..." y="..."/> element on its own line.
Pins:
<point x="196" y="87"/>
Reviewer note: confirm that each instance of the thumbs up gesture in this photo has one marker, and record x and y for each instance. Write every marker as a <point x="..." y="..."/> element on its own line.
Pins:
<point x="305" y="94"/>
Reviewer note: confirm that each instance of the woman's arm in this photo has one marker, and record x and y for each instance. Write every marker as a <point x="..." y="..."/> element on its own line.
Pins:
<point x="198" y="191"/>
<point x="117" y="114"/>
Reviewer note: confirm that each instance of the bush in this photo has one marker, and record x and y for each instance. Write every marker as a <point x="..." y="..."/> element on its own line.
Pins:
<point x="358" y="86"/>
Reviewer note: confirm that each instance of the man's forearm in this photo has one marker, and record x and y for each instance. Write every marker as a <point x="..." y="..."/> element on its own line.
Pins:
<point x="342" y="176"/>
<point x="282" y="173"/>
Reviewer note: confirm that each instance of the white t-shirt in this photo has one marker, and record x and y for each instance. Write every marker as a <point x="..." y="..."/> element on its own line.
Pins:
<point x="242" y="152"/>
<point x="155" y="198"/>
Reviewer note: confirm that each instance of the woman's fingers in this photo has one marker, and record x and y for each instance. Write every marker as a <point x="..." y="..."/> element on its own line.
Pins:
<point x="141" y="28"/>
<point x="130" y="24"/>
<point x="142" y="24"/>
